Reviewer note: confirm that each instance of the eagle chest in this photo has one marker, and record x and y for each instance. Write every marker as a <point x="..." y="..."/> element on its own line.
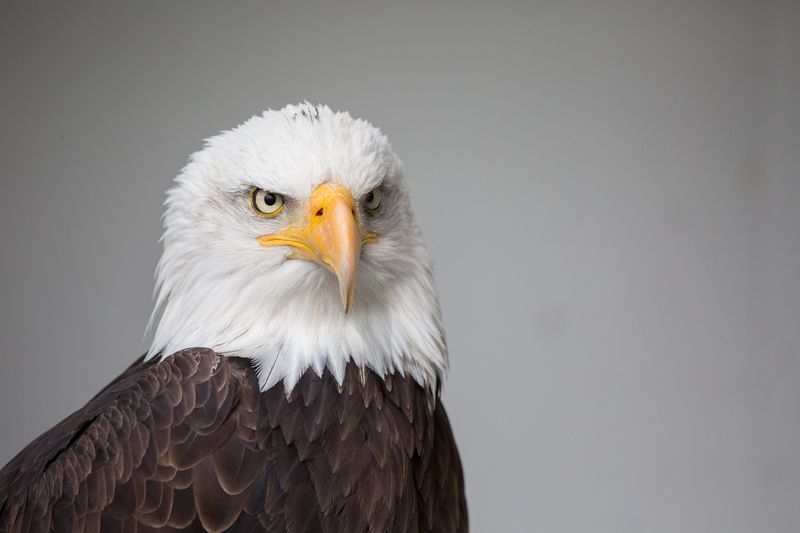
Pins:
<point x="193" y="444"/>
<point x="349" y="457"/>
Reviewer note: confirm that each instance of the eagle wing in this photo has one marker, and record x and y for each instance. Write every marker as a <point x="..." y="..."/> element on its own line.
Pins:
<point x="190" y="443"/>
<point x="129" y="458"/>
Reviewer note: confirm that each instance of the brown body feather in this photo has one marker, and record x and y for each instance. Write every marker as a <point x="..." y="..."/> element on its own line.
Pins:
<point x="192" y="444"/>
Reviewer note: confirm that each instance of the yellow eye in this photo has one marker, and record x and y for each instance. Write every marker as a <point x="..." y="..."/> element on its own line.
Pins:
<point x="373" y="199"/>
<point x="266" y="203"/>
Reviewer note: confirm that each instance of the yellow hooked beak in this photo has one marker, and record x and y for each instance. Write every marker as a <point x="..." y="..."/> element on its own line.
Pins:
<point x="329" y="235"/>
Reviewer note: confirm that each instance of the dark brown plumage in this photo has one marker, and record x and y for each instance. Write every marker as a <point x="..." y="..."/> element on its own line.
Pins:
<point x="191" y="444"/>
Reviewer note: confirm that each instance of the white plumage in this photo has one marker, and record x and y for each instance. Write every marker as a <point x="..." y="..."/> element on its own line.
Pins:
<point x="218" y="288"/>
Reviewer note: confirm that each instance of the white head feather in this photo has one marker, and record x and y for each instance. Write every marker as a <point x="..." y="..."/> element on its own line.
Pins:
<point x="217" y="287"/>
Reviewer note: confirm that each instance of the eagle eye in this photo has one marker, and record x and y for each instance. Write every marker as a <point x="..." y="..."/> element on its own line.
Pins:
<point x="266" y="203"/>
<point x="373" y="199"/>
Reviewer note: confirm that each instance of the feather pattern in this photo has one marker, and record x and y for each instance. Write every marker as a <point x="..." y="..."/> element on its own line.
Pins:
<point x="191" y="443"/>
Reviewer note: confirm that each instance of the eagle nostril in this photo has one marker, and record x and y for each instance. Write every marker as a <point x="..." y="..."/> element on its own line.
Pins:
<point x="319" y="212"/>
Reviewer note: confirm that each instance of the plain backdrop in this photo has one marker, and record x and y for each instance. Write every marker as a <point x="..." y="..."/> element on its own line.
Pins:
<point x="610" y="190"/>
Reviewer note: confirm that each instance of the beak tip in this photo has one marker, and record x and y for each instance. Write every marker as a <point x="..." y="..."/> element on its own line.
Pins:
<point x="347" y="301"/>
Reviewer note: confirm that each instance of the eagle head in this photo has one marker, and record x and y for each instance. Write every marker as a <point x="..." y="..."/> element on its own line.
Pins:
<point x="290" y="240"/>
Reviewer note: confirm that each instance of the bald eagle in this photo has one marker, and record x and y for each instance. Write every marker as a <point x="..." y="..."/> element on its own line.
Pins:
<point x="294" y="375"/>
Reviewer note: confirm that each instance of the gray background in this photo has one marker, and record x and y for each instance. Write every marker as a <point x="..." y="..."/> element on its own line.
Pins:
<point x="611" y="192"/>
